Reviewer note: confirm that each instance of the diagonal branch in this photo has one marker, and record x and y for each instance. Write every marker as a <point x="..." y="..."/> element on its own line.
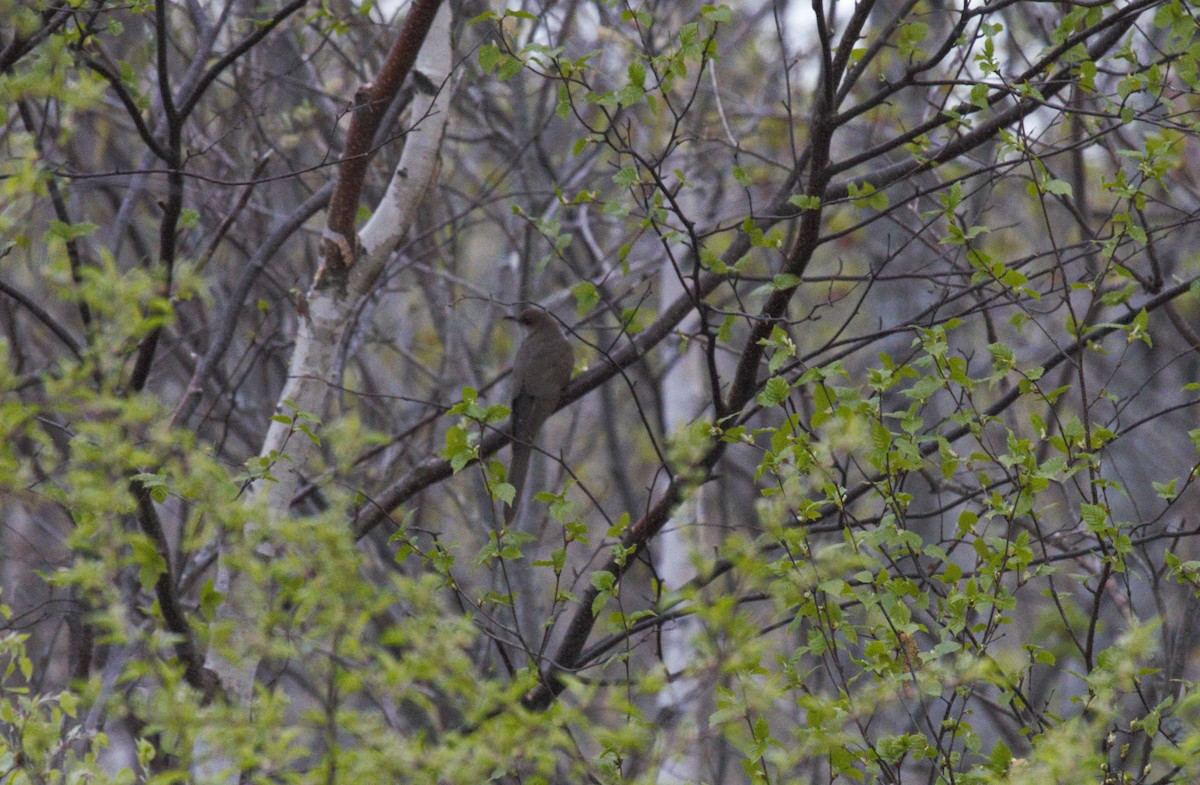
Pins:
<point x="434" y="470"/>
<point x="339" y="255"/>
<point x="44" y="317"/>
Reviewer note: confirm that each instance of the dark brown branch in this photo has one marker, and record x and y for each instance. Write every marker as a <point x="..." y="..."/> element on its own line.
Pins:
<point x="745" y="379"/>
<point x="60" y="210"/>
<point x="19" y="47"/>
<point x="644" y="530"/>
<point x="131" y="107"/>
<point x="434" y="470"/>
<point x="168" y="601"/>
<point x="161" y="42"/>
<point x="566" y="658"/>
<point x="172" y="205"/>
<point x="45" y="318"/>
<point x="188" y="103"/>
<point x="1114" y="26"/>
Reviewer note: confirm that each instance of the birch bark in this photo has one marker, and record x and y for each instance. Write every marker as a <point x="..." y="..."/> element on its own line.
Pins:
<point x="313" y="370"/>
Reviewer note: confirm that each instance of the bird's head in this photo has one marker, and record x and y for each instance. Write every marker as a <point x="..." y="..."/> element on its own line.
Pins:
<point x="533" y="317"/>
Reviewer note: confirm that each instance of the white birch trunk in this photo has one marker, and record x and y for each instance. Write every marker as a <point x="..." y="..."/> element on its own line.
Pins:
<point x="313" y="368"/>
<point x="683" y="397"/>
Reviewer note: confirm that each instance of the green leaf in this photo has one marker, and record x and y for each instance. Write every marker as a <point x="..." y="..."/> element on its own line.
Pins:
<point x="210" y="600"/>
<point x="910" y="35"/>
<point x="509" y="68"/>
<point x="1045" y="657"/>
<point x="586" y="297"/>
<point x="780" y="282"/>
<point x="1138" y="328"/>
<point x="637" y="74"/>
<point x="630" y="95"/>
<point x="628" y="176"/>
<point x="805" y="202"/>
<point x="489" y="57"/>
<point x="155" y="484"/>
<point x="775" y="392"/>
<point x="1059" y="188"/>
<point x="865" y="196"/>
<point x="150" y="562"/>
<point x="504" y="492"/>
<point x="1095" y="516"/>
<point x="979" y="95"/>
<point x="716" y="13"/>
<point x="603" y="580"/>
<point x="1166" y="490"/>
<point x="64" y="231"/>
<point x="1001" y="757"/>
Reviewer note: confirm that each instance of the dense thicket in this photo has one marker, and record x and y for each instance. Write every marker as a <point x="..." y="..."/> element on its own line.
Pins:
<point x="878" y="462"/>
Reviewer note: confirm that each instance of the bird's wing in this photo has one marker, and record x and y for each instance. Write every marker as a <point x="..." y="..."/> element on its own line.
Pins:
<point x="519" y="417"/>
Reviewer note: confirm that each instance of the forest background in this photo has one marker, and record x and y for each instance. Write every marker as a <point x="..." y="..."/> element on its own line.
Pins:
<point x="879" y="460"/>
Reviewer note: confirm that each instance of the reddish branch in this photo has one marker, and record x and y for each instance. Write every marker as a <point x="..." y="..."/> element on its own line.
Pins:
<point x="369" y="109"/>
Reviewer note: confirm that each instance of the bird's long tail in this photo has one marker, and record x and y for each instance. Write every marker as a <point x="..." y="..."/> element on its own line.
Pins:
<point x="518" y="468"/>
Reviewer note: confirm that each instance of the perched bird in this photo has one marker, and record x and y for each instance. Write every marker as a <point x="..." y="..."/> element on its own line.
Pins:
<point x="541" y="369"/>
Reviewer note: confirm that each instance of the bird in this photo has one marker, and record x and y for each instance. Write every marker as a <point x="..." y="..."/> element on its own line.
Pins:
<point x="541" y="369"/>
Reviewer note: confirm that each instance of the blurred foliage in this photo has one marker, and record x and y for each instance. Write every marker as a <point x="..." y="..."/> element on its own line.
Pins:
<point x="947" y="537"/>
